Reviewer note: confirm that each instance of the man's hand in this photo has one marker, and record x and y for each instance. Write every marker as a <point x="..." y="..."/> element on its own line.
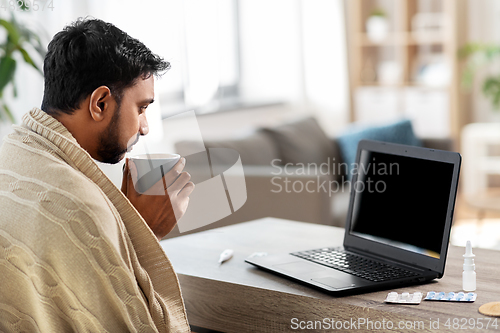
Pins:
<point x="164" y="203"/>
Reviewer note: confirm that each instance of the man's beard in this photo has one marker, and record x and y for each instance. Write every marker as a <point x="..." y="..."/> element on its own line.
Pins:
<point x="109" y="150"/>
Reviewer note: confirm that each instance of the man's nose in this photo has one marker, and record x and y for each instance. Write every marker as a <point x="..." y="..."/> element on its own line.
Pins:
<point x="144" y="127"/>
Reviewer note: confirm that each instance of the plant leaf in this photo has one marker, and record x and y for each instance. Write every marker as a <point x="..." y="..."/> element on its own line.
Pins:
<point x="491" y="89"/>
<point x="28" y="59"/>
<point x="8" y="113"/>
<point x="19" y="37"/>
<point x="7" y="69"/>
<point x="13" y="33"/>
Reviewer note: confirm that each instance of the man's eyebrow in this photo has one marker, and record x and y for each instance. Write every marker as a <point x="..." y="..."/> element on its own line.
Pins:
<point x="148" y="101"/>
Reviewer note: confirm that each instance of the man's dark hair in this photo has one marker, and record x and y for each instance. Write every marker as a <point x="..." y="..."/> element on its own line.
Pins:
<point x="91" y="53"/>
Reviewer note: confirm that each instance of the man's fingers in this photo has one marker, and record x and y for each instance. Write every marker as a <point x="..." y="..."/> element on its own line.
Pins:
<point x="168" y="179"/>
<point x="158" y="188"/>
<point x="171" y="177"/>
<point x="125" y="177"/>
<point x="133" y="175"/>
<point x="186" y="190"/>
<point x="174" y="173"/>
<point x="181" y="208"/>
<point x="179" y="183"/>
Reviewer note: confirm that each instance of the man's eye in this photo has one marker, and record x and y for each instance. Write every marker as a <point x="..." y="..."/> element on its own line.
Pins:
<point x="142" y="109"/>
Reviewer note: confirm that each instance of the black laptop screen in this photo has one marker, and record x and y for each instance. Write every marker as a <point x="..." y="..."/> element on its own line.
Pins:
<point x="416" y="191"/>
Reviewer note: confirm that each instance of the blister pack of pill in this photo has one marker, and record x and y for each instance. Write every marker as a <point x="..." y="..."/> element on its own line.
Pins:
<point x="404" y="298"/>
<point x="450" y="296"/>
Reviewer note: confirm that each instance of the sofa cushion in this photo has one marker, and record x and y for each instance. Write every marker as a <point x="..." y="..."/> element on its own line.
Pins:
<point x="255" y="149"/>
<point x="399" y="132"/>
<point x="302" y="141"/>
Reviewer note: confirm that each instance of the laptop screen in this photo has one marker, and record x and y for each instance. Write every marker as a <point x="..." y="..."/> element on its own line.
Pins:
<point x="401" y="201"/>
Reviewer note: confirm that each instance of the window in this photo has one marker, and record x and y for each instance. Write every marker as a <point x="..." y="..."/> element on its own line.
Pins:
<point x="198" y="37"/>
<point x="231" y="53"/>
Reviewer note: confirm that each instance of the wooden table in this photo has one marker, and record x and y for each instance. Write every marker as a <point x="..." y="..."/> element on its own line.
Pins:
<point x="237" y="297"/>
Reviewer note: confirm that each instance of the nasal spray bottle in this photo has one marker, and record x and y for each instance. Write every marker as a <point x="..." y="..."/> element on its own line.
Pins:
<point x="469" y="275"/>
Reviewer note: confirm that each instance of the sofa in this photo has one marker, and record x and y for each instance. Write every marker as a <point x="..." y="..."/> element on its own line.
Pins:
<point x="295" y="171"/>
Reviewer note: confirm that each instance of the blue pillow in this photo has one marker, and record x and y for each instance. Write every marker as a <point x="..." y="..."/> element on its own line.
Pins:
<point x="399" y="132"/>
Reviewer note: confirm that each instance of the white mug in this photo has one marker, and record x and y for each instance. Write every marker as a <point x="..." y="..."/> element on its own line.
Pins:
<point x="151" y="168"/>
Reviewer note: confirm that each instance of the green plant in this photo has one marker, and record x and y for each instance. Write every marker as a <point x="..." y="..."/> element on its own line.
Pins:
<point x="477" y="56"/>
<point x="19" y="39"/>
<point x="378" y="12"/>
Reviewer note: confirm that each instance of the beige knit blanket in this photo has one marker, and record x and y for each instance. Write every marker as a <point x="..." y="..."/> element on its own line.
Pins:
<point x="74" y="253"/>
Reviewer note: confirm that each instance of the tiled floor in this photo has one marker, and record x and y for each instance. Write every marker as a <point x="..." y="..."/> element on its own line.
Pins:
<point x="482" y="232"/>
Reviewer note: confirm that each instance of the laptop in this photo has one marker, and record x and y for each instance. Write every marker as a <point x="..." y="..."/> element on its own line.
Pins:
<point x="398" y="224"/>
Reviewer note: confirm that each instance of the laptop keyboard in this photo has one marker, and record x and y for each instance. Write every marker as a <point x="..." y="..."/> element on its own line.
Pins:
<point x="354" y="264"/>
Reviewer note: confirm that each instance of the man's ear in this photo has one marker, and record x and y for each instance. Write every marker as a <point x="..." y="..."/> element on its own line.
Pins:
<point x="100" y="103"/>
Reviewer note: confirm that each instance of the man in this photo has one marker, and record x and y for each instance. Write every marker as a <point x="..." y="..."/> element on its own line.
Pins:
<point x="76" y="253"/>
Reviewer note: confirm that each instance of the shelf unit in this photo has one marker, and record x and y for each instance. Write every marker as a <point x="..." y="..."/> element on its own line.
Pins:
<point x="412" y="71"/>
